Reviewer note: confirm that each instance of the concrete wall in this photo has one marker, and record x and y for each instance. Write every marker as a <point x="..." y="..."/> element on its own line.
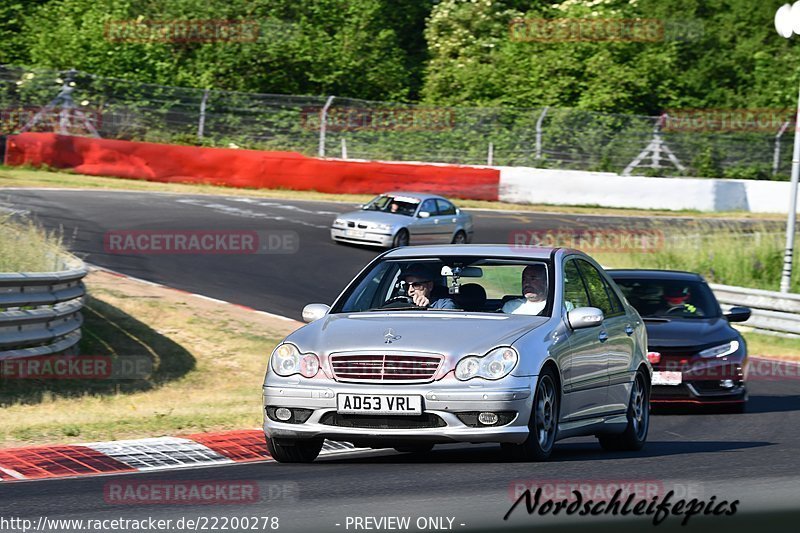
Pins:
<point x="574" y="187"/>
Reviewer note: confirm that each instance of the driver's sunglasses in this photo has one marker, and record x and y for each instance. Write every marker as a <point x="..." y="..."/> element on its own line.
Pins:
<point x="416" y="284"/>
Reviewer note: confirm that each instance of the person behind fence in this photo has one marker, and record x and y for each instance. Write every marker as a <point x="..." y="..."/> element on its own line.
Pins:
<point x="419" y="279"/>
<point x="534" y="290"/>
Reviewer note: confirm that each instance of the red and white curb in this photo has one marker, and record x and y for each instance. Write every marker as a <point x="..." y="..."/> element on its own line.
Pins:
<point x="141" y="455"/>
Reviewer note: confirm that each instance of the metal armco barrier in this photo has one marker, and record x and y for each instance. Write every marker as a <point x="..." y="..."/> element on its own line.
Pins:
<point x="40" y="312"/>
<point x="772" y="311"/>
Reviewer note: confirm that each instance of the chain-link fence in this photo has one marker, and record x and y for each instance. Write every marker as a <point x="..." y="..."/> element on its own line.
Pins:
<point x="83" y="104"/>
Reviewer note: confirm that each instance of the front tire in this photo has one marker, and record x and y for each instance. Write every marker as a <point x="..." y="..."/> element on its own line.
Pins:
<point x="400" y="239"/>
<point x="294" y="451"/>
<point x="543" y="424"/>
<point x="635" y="435"/>
<point x="460" y="237"/>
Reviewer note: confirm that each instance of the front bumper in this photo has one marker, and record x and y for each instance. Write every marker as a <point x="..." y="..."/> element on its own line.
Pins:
<point x="368" y="237"/>
<point x="710" y="383"/>
<point x="441" y="401"/>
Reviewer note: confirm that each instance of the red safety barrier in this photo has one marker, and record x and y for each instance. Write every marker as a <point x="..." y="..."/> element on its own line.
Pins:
<point x="245" y="168"/>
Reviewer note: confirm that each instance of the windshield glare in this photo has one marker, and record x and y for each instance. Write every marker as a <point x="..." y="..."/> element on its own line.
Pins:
<point x="495" y="286"/>
<point x="669" y="298"/>
<point x="398" y="205"/>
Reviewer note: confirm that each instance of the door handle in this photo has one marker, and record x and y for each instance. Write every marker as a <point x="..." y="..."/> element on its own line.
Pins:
<point x="628" y="330"/>
<point x="603" y="337"/>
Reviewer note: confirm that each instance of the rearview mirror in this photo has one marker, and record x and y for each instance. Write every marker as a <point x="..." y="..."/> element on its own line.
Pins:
<point x="584" y="317"/>
<point x="737" y="314"/>
<point x="424" y="214"/>
<point x="462" y="272"/>
<point x="313" y="312"/>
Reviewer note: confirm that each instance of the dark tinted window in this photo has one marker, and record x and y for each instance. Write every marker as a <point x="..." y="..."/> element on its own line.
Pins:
<point x="445" y="207"/>
<point x="429" y="206"/>
<point x="669" y="298"/>
<point x="574" y="290"/>
<point x="615" y="301"/>
<point x="597" y="289"/>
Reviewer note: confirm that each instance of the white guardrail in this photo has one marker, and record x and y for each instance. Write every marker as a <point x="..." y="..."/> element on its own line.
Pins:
<point x="40" y="312"/>
<point x="772" y="312"/>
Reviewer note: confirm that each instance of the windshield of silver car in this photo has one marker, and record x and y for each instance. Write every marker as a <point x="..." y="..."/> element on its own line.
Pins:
<point x="398" y="205"/>
<point x="452" y="284"/>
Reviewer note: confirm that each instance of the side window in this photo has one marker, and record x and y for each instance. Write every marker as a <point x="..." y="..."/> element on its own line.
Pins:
<point x="429" y="206"/>
<point x="574" y="290"/>
<point x="616" y="304"/>
<point x="445" y="207"/>
<point x="597" y="289"/>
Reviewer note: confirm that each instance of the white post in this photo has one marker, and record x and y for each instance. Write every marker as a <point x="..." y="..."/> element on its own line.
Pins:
<point x="323" y="118"/>
<point x="786" y="276"/>
<point x="539" y="134"/>
<point x="776" y="158"/>
<point x="201" y="124"/>
<point x="344" y="149"/>
<point x="490" y="156"/>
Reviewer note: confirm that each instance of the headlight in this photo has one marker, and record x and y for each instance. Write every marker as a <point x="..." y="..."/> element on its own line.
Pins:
<point x="720" y="351"/>
<point x="382" y="227"/>
<point x="496" y="364"/>
<point x="287" y="360"/>
<point x="339" y="222"/>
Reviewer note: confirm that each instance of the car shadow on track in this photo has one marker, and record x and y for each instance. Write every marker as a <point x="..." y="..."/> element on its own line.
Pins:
<point x="563" y="452"/>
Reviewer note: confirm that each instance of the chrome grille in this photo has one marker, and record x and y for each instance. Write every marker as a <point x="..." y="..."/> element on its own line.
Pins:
<point x="385" y="368"/>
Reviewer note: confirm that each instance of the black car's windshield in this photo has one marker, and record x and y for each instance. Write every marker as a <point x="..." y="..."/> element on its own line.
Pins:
<point x="661" y="298"/>
<point x="399" y="205"/>
<point x="464" y="283"/>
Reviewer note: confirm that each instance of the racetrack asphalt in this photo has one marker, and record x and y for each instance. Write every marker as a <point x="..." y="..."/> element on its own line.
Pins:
<point x="751" y="457"/>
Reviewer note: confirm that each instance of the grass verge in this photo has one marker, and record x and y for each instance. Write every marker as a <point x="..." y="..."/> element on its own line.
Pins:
<point x="209" y="362"/>
<point x="26" y="177"/>
<point x="26" y="247"/>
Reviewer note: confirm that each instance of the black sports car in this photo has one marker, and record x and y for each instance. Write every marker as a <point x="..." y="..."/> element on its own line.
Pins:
<point x="697" y="356"/>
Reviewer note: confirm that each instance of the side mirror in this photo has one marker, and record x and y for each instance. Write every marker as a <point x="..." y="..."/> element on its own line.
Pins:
<point x="424" y="214"/>
<point x="584" y="317"/>
<point x="313" y="312"/>
<point x="737" y="314"/>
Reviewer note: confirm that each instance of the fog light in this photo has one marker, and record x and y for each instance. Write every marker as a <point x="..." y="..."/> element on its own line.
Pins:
<point x="726" y="383"/>
<point x="283" y="414"/>
<point x="487" y="419"/>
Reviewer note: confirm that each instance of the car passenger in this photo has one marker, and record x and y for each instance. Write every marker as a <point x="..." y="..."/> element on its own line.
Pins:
<point x="534" y="290"/>
<point x="419" y="279"/>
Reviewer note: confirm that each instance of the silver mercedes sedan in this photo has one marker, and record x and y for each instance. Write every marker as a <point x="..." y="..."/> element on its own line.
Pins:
<point x="401" y="218"/>
<point x="463" y="343"/>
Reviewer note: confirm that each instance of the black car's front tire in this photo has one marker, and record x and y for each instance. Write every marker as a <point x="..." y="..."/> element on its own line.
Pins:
<point x="543" y="423"/>
<point x="635" y="434"/>
<point x="294" y="451"/>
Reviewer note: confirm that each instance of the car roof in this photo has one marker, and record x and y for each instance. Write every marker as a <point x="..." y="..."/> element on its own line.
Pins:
<point x="412" y="194"/>
<point x="482" y="250"/>
<point x="654" y="274"/>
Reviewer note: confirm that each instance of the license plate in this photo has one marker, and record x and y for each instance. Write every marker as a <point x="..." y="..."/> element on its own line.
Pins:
<point x="667" y="378"/>
<point x="354" y="232"/>
<point x="379" y="404"/>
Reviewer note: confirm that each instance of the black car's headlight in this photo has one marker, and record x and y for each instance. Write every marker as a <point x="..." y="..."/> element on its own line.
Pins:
<point x="720" y="351"/>
<point x="496" y="364"/>
<point x="286" y="360"/>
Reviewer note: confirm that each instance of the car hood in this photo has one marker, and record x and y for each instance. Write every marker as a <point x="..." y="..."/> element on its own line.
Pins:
<point x="688" y="333"/>
<point x="447" y="333"/>
<point x="374" y="217"/>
